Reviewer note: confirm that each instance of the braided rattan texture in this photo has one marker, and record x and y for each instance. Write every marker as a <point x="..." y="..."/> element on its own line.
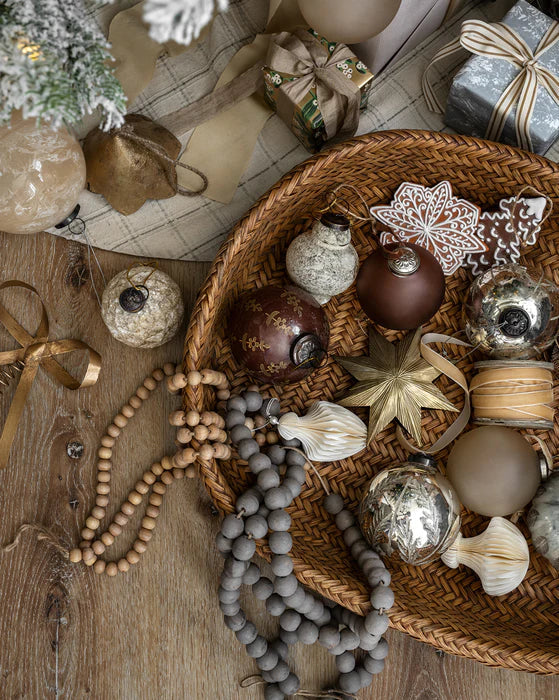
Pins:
<point x="444" y="607"/>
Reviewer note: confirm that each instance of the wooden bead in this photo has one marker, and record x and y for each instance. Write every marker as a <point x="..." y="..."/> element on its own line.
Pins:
<point x="87" y="533"/>
<point x="84" y="544"/>
<point x="150" y="383"/>
<point x="103" y="489"/>
<point x="141" y="487"/>
<point x="272" y="438"/>
<point x="170" y="385"/>
<point x="121" y="421"/>
<point x="145" y="535"/>
<point x="139" y="546"/>
<point x="88" y="554"/>
<point x="148" y="523"/>
<point x="113" y="430"/>
<point x="132" y="557"/>
<point x="178" y="473"/>
<point x="115" y="529"/>
<point x="249" y="423"/>
<point x="98" y="512"/>
<point x="179" y="462"/>
<point x="107" y="539"/>
<point x="104" y="465"/>
<point x="221" y="451"/>
<point x="260" y="422"/>
<point x="217" y="434"/>
<point x="221" y="406"/>
<point x="156" y="468"/>
<point x="223" y="394"/>
<point x="177" y="418"/>
<point x="184" y="435"/>
<point x="123" y="565"/>
<point x="135" y="402"/>
<point x="127" y="411"/>
<point x="209" y="417"/>
<point x="194" y="378"/>
<point x="159" y="488"/>
<point x="201" y="432"/>
<point x="158" y="374"/>
<point x="210" y="376"/>
<point x="104" y="453"/>
<point x="179" y="380"/>
<point x="155" y="499"/>
<point x="99" y="566"/>
<point x="98" y="547"/>
<point x="169" y="369"/>
<point x="260" y="439"/>
<point x="103" y="477"/>
<point x="127" y="508"/>
<point x="75" y="555"/>
<point x="111" y="569"/>
<point x="152" y="511"/>
<point x="206" y="452"/>
<point x="189" y="455"/>
<point x="142" y="393"/>
<point x="148" y="478"/>
<point x="108" y="441"/>
<point x="134" y="498"/>
<point x="166" y="463"/>
<point x="190" y="472"/>
<point x="167" y="478"/>
<point x="192" y="418"/>
<point x="121" y="519"/>
<point x="102" y="501"/>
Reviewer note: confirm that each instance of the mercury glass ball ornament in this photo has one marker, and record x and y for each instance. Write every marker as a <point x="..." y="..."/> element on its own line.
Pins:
<point x="511" y="312"/>
<point x="278" y="333"/>
<point x="411" y="509"/>
<point x="494" y="470"/>
<point x="543" y="520"/>
<point x="142" y="307"/>
<point x="400" y="287"/>
<point x="42" y="174"/>
<point x="350" y="21"/>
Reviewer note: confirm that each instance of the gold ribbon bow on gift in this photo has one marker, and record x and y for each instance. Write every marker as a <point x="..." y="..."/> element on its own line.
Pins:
<point x="304" y="58"/>
<point x="500" y="41"/>
<point x="36" y="351"/>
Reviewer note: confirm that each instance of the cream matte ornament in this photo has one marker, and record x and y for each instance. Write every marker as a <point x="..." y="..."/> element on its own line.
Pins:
<point x="543" y="520"/>
<point x="146" y="322"/>
<point x="350" y="21"/>
<point x="323" y="261"/>
<point x="499" y="556"/>
<point x="328" y="432"/>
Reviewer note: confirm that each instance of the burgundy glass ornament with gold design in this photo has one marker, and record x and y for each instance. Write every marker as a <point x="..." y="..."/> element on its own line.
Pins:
<point x="278" y="333"/>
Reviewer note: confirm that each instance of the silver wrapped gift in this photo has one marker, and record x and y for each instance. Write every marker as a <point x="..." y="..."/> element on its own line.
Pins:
<point x="482" y="80"/>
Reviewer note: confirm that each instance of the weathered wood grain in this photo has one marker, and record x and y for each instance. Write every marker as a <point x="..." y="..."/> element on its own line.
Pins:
<point x="155" y="632"/>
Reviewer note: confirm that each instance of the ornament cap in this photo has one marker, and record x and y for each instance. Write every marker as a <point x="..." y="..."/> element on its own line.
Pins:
<point x="406" y="263"/>
<point x="339" y="222"/>
<point x="133" y="299"/>
<point x="307" y="351"/>
<point x="423" y="459"/>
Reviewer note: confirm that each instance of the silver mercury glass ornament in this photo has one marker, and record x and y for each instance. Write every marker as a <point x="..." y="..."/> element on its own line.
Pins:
<point x="512" y="312"/>
<point x="411" y="509"/>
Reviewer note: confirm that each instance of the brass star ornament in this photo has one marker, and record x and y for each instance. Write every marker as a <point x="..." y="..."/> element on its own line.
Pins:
<point x="395" y="382"/>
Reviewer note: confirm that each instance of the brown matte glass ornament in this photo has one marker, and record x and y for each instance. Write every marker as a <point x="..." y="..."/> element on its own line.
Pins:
<point x="42" y="175"/>
<point x="494" y="471"/>
<point x="278" y="333"/>
<point x="400" y="287"/>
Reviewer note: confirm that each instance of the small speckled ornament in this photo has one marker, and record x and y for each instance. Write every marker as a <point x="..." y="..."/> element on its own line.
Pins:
<point x="543" y="520"/>
<point x="142" y="307"/>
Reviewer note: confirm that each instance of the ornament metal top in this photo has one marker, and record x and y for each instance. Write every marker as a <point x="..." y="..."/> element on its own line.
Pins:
<point x="411" y="509"/>
<point x="512" y="312"/>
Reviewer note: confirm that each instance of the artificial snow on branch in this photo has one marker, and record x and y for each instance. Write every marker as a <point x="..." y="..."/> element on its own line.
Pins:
<point x="180" y="20"/>
<point x="54" y="64"/>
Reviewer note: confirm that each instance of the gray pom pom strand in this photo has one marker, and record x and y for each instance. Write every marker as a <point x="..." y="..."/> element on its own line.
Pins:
<point x="307" y="632"/>
<point x="329" y="637"/>
<point x="243" y="548"/>
<point x="290" y="685"/>
<point x="236" y="403"/>
<point x="279" y="672"/>
<point x="268" y="479"/>
<point x="290" y="620"/>
<point x="232" y="526"/>
<point x="279" y="520"/>
<point x="275" y="605"/>
<point x="247" y="448"/>
<point x="263" y="588"/>
<point x="234" y="418"/>
<point x="333" y="503"/>
<point x="380" y="652"/>
<point x="350" y="682"/>
<point x="344" y="519"/>
<point x="277" y="454"/>
<point x="286" y="585"/>
<point x="345" y="662"/>
<point x="279" y="497"/>
<point x="382" y="598"/>
<point x="280" y="542"/>
<point x="247" y="634"/>
<point x="240" y="432"/>
<point x="253" y="401"/>
<point x="267" y="661"/>
<point x="375" y="623"/>
<point x="257" y="648"/>
<point x="251" y="575"/>
<point x="257" y="463"/>
<point x="257" y="526"/>
<point x="282" y="564"/>
<point x="272" y="692"/>
<point x="235" y="622"/>
<point x="373" y="666"/>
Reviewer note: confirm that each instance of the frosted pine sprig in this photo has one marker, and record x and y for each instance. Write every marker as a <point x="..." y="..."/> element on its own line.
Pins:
<point x="180" y="20"/>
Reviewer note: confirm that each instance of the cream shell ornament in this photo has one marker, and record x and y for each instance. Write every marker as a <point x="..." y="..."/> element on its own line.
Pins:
<point x="328" y="432"/>
<point x="499" y="556"/>
<point x="152" y="322"/>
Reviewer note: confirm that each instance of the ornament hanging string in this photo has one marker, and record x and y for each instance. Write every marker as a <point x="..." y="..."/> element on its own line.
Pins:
<point x="332" y="694"/>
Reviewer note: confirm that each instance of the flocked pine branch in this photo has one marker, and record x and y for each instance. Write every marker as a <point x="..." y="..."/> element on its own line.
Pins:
<point x="54" y="63"/>
<point x="180" y="20"/>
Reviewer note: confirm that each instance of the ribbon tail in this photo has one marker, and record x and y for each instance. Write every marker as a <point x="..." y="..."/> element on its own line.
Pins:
<point x="15" y="412"/>
<point x="433" y="102"/>
<point x="503" y="108"/>
<point x="525" y="110"/>
<point x="343" y="90"/>
<point x="62" y="347"/>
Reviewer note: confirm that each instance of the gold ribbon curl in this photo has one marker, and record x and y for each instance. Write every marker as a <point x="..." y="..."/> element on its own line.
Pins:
<point x="502" y="42"/>
<point x="36" y="351"/>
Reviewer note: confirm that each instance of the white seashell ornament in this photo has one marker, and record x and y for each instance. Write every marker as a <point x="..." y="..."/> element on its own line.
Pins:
<point x="328" y="432"/>
<point x="499" y="556"/>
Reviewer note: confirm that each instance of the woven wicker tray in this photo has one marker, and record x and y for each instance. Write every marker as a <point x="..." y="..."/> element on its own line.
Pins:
<point x="444" y="607"/>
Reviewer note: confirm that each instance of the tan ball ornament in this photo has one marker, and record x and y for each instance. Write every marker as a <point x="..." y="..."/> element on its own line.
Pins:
<point x="142" y="307"/>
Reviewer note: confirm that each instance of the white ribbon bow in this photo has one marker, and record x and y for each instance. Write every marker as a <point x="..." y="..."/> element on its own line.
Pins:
<point x="500" y="41"/>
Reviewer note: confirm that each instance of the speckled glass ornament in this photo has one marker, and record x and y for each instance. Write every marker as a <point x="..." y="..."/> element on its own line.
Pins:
<point x="278" y="333"/>
<point x="148" y="324"/>
<point x="411" y="509"/>
<point x="543" y="520"/>
<point x="41" y="176"/>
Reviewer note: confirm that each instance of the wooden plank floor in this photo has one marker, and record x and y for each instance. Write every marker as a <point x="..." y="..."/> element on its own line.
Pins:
<point x="155" y="632"/>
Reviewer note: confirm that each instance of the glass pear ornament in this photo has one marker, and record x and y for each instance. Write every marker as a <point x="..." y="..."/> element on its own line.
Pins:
<point x="42" y="174"/>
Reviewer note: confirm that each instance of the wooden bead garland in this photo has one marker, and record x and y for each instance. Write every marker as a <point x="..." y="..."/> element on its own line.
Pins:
<point x="205" y="441"/>
<point x="303" y="616"/>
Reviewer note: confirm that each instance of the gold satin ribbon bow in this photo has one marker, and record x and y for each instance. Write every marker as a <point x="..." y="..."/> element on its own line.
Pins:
<point x="303" y="57"/>
<point x="500" y="41"/>
<point x="36" y="351"/>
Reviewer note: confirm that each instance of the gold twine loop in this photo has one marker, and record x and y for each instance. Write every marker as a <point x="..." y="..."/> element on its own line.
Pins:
<point x="42" y="534"/>
<point x="37" y="351"/>
<point x="331" y="694"/>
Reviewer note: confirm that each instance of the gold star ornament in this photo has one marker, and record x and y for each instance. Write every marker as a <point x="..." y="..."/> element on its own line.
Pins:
<point x="395" y="382"/>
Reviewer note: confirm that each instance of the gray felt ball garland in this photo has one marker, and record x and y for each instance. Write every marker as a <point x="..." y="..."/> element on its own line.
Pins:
<point x="260" y="513"/>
